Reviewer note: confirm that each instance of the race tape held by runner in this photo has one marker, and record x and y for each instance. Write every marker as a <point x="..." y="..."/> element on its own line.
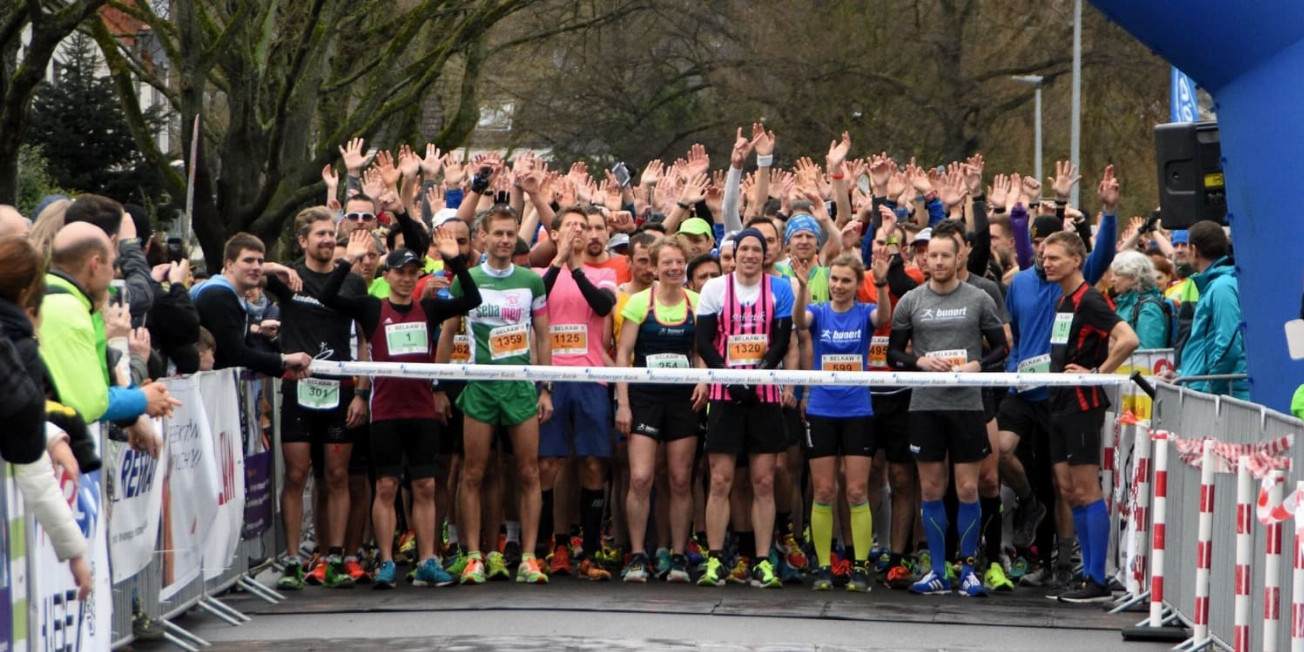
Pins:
<point x="540" y="373"/>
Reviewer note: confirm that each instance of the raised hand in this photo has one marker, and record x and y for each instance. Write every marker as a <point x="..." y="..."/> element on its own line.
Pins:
<point x="372" y="182"/>
<point x="973" y="174"/>
<point x="1016" y="191"/>
<point x="881" y="169"/>
<point x="432" y="163"/>
<point x="742" y="147"/>
<point x="651" y="173"/>
<point x="138" y="342"/>
<point x="953" y="190"/>
<point x="355" y="156"/>
<point x="359" y="246"/>
<point x="446" y="242"/>
<point x="1066" y="176"/>
<point x="1108" y="191"/>
<point x="896" y="184"/>
<point x="694" y="189"/>
<point x="409" y="164"/>
<point x="889" y="220"/>
<point x="855" y="169"/>
<point x="920" y="180"/>
<point x="698" y="161"/>
<point x="389" y="173"/>
<point x="879" y="264"/>
<point x="762" y="140"/>
<point x="838" y="150"/>
<point x="1031" y="189"/>
<point x="612" y="197"/>
<point x="331" y="178"/>
<point x="454" y="170"/>
<point x="800" y="271"/>
<point x="435" y="198"/>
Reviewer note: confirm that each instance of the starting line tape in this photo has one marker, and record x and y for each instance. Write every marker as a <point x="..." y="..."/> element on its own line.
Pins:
<point x="433" y="371"/>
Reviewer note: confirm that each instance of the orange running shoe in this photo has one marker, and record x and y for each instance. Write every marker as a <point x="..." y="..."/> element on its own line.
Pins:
<point x="559" y="562"/>
<point x="355" y="570"/>
<point x="594" y="572"/>
<point x="317" y="576"/>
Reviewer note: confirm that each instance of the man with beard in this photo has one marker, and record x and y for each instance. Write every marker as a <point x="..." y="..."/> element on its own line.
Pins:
<point x="317" y="412"/>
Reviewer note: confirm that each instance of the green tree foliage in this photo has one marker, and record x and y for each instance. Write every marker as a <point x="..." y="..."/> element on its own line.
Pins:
<point x="78" y="125"/>
<point x="34" y="180"/>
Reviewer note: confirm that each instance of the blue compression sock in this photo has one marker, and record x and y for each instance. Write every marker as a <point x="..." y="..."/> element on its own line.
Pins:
<point x="1097" y="517"/>
<point x="935" y="524"/>
<point x="1082" y="528"/>
<point x="968" y="521"/>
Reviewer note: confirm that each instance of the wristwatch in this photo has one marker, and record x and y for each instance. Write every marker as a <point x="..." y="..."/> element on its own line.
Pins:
<point x="546" y="386"/>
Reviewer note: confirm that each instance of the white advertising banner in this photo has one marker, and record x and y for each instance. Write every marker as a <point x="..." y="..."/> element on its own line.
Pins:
<point x="136" y="503"/>
<point x="63" y="623"/>
<point x="222" y="404"/>
<point x="191" y="487"/>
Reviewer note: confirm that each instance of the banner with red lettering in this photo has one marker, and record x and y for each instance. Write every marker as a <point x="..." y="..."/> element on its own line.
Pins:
<point x="136" y="502"/>
<point x="190" y="488"/>
<point x="222" y="403"/>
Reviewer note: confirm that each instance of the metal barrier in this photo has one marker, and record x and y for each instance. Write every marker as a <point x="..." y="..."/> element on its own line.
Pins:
<point x="1195" y="415"/>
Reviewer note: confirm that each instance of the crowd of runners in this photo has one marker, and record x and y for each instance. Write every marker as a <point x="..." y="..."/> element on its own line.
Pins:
<point x="861" y="264"/>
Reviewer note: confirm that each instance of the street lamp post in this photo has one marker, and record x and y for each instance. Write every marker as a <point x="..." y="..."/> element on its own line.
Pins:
<point x="1035" y="80"/>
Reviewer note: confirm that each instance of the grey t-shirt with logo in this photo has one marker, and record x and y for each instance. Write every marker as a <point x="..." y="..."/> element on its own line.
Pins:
<point x="951" y="326"/>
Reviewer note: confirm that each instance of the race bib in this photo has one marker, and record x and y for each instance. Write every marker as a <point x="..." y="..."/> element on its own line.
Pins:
<point x="953" y="357"/>
<point x="667" y="361"/>
<point x="745" y="350"/>
<point x="461" y="349"/>
<point x="509" y="341"/>
<point x="833" y="362"/>
<point x="569" y="339"/>
<point x="407" y="339"/>
<point x="878" y="352"/>
<point x="1037" y="365"/>
<point x="1059" y="332"/>
<point x="319" y="394"/>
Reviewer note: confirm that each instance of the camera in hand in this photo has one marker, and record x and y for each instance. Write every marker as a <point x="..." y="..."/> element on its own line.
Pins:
<point x="480" y="182"/>
<point x="176" y="250"/>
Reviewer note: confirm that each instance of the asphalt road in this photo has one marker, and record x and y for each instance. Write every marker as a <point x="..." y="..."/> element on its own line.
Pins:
<point x="574" y="615"/>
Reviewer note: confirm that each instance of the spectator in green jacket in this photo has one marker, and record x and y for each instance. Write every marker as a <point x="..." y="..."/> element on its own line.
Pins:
<point x="1139" y="302"/>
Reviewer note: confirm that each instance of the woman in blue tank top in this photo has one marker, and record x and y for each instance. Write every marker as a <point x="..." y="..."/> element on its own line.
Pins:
<point x="840" y="419"/>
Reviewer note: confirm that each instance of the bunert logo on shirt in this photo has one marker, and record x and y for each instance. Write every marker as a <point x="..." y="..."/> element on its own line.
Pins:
<point x="944" y="314"/>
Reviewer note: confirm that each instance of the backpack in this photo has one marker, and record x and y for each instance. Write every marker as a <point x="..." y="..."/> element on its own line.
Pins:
<point x="1170" y="310"/>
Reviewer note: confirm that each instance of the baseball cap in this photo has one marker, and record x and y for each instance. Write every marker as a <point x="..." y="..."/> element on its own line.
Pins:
<point x="924" y="235"/>
<point x="1181" y="237"/>
<point x="400" y="257"/>
<point x="617" y="241"/>
<point x="695" y="226"/>
<point x="443" y="215"/>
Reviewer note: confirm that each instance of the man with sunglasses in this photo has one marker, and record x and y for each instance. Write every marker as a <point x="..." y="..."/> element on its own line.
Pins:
<point x="359" y="212"/>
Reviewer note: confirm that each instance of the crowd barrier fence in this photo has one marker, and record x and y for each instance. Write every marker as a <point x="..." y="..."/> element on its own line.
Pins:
<point x="167" y="534"/>
<point x="1206" y="563"/>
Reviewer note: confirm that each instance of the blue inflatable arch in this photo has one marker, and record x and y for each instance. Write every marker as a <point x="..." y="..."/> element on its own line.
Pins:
<point x="1249" y="55"/>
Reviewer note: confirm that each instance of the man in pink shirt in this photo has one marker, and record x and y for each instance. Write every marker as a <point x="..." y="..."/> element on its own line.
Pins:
<point x="580" y="300"/>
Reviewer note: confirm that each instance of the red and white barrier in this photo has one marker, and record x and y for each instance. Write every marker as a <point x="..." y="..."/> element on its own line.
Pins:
<point x="1204" y="549"/>
<point x="1297" y="581"/>
<point x="1271" y="560"/>
<point x="1157" y="544"/>
<point x="1140" y="514"/>
<point x="1244" y="544"/>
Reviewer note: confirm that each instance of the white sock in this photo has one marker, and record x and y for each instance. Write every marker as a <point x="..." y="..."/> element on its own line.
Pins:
<point x="514" y="531"/>
<point x="452" y="534"/>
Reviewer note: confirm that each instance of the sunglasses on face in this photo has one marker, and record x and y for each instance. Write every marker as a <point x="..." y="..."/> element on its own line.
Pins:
<point x="354" y="217"/>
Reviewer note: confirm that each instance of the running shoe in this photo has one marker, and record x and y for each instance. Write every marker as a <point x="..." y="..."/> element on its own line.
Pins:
<point x="714" y="575"/>
<point x="577" y="547"/>
<point x="1039" y="576"/>
<point x="430" y="573"/>
<point x="589" y="570"/>
<point x="636" y="570"/>
<point x="923" y="559"/>
<point x="859" y="579"/>
<point x="1065" y="580"/>
<point x="1026" y="519"/>
<point x="899" y="577"/>
<point x="695" y="552"/>
<point x="473" y="573"/>
<point x="337" y="576"/>
<point x="317" y="576"/>
<point x="662" y="562"/>
<point x="407" y="547"/>
<point x="678" y="570"/>
<point x="357" y="572"/>
<point x="456" y="561"/>
<point x="496" y="563"/>
<point x="386" y="575"/>
<point x="763" y="576"/>
<point x="530" y="571"/>
<point x="882" y="561"/>
<point x="970" y="585"/>
<point x="1090" y="591"/>
<point x="995" y="579"/>
<point x="841" y="571"/>
<point x="512" y="553"/>
<point x="559" y="562"/>
<point x="739" y="574"/>
<point x="796" y="557"/>
<point x="144" y="628"/>
<point x="291" y="578"/>
<point x="931" y="584"/>
<point x="1018" y="568"/>
<point x="823" y="579"/>
<point x="787" y="574"/>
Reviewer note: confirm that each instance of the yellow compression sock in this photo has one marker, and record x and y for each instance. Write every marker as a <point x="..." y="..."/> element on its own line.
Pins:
<point x="821" y="529"/>
<point x="862" y="530"/>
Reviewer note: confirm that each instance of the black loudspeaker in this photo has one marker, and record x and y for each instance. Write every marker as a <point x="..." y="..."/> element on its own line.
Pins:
<point x="1191" y="188"/>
